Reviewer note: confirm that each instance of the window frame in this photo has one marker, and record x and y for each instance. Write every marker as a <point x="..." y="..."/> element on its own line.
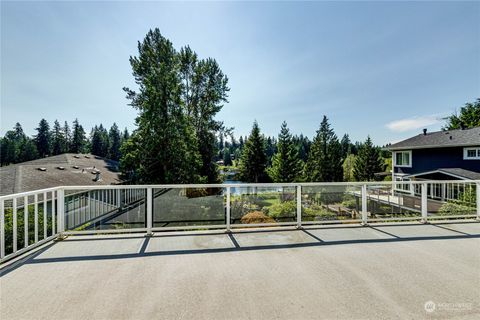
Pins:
<point x="409" y="152"/>
<point x="465" y="153"/>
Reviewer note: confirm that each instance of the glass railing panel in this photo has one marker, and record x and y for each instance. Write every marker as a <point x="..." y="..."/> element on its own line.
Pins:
<point x="177" y="207"/>
<point x="105" y="209"/>
<point x="258" y="205"/>
<point x="450" y="199"/>
<point x="397" y="202"/>
<point x="331" y="203"/>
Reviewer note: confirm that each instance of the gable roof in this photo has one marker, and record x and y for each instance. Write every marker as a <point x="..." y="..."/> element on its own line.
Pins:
<point x="77" y="170"/>
<point x="458" y="173"/>
<point x="440" y="139"/>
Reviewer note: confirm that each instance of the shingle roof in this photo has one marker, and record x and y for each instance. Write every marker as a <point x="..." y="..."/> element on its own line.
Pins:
<point x="451" y="138"/>
<point x="461" y="173"/>
<point x="26" y="176"/>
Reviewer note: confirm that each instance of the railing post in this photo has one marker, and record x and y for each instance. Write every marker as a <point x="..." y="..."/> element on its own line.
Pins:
<point x="299" y="207"/>
<point x="60" y="213"/>
<point x="149" y="211"/>
<point x="478" y="200"/>
<point x="364" y="205"/>
<point x="424" y="204"/>
<point x="227" y="209"/>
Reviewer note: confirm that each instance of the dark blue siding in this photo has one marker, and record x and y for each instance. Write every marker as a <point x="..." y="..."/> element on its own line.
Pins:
<point x="424" y="160"/>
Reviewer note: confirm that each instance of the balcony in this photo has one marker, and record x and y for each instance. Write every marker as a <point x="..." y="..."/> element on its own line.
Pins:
<point x="310" y="250"/>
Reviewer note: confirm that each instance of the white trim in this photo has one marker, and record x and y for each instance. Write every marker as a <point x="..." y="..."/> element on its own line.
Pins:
<point x="438" y="171"/>
<point x="465" y="153"/>
<point x="394" y="164"/>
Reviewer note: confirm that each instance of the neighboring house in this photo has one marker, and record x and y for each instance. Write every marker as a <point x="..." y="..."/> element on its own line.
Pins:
<point x="441" y="155"/>
<point x="60" y="170"/>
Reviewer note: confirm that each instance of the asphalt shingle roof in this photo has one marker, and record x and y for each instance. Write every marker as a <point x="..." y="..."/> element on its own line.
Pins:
<point x="451" y="138"/>
<point x="26" y="176"/>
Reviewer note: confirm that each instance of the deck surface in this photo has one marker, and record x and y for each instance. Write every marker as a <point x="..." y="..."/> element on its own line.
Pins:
<point x="328" y="272"/>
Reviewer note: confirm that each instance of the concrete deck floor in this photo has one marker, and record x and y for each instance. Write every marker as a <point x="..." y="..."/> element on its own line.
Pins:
<point x="334" y="272"/>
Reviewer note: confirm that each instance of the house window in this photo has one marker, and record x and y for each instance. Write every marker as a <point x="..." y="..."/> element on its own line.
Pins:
<point x="471" y="153"/>
<point x="403" y="159"/>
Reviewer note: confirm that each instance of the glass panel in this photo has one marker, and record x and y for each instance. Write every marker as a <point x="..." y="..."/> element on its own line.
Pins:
<point x="460" y="199"/>
<point x="385" y="203"/>
<point x="471" y="153"/>
<point x="324" y="203"/>
<point x="254" y="205"/>
<point x="174" y="207"/>
<point x="105" y="209"/>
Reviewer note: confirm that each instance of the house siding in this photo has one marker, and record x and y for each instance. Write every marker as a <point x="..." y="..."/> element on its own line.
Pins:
<point x="424" y="160"/>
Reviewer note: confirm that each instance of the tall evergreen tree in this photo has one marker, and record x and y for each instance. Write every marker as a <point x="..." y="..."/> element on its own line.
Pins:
<point x="253" y="161"/>
<point x="367" y="162"/>
<point x="164" y="148"/>
<point x="114" y="142"/>
<point x="325" y="158"/>
<point x="78" y="138"/>
<point x="346" y="146"/>
<point x="286" y="164"/>
<point x="67" y="137"/>
<point x="28" y="150"/>
<point x="227" y="157"/>
<point x="58" y="139"/>
<point x="11" y="145"/>
<point x="42" y="138"/>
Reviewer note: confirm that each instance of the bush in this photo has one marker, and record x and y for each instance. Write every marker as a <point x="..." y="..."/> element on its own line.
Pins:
<point x="256" y="217"/>
<point x="319" y="212"/>
<point x="450" y="209"/>
<point x="283" y="209"/>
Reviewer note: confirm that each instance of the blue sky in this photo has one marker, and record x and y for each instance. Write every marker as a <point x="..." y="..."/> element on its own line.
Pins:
<point x="382" y="69"/>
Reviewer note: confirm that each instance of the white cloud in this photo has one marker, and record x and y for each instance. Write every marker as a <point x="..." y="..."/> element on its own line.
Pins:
<point x="414" y="123"/>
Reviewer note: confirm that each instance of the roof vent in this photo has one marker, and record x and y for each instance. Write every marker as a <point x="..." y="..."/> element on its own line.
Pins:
<point x="76" y="167"/>
<point x="97" y="177"/>
<point x="61" y="168"/>
<point x="425" y="131"/>
<point x="42" y="169"/>
<point x="88" y="157"/>
<point x="451" y="137"/>
<point x="76" y="156"/>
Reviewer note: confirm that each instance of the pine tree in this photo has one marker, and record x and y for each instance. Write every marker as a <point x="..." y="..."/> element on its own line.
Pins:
<point x="368" y="162"/>
<point x="78" y="138"/>
<point x="227" y="157"/>
<point x="325" y="161"/>
<point x="253" y="161"/>
<point x="115" y="141"/>
<point x="58" y="139"/>
<point x="346" y="146"/>
<point x="42" y="138"/>
<point x="286" y="164"/>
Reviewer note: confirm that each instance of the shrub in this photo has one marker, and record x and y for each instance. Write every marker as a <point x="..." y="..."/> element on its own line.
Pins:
<point x="319" y="212"/>
<point x="283" y="209"/>
<point x="256" y="217"/>
<point x="450" y="209"/>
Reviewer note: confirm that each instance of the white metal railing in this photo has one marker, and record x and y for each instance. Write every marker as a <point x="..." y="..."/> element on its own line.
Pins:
<point x="33" y="218"/>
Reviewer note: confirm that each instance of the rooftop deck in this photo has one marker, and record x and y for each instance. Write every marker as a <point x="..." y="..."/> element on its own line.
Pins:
<point x="377" y="271"/>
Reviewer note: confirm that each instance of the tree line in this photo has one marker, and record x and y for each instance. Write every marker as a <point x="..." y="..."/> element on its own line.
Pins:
<point x="17" y="147"/>
<point x="326" y="158"/>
